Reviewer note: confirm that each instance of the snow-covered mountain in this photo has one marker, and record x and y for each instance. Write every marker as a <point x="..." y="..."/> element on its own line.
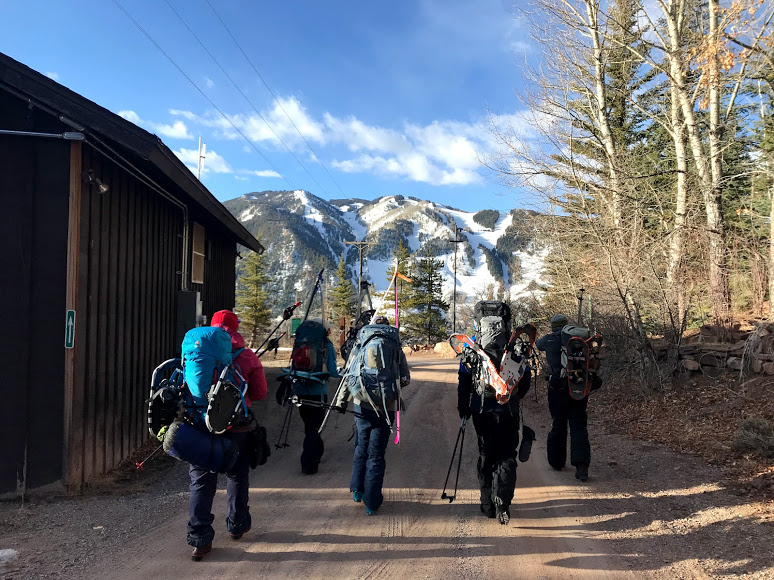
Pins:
<point x="303" y="233"/>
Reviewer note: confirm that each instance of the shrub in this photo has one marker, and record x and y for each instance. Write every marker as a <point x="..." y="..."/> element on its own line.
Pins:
<point x="755" y="435"/>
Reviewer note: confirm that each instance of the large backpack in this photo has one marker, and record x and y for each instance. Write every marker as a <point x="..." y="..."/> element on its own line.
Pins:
<point x="215" y="386"/>
<point x="309" y="348"/>
<point x="493" y="329"/>
<point x="373" y="372"/>
<point x="580" y="359"/>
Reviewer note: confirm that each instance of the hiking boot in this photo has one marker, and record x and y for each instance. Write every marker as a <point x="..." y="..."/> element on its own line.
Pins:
<point x="309" y="470"/>
<point x="238" y="535"/>
<point x="357" y="496"/>
<point x="369" y="511"/>
<point x="582" y="472"/>
<point x="201" y="551"/>
<point x="488" y="510"/>
<point x="503" y="515"/>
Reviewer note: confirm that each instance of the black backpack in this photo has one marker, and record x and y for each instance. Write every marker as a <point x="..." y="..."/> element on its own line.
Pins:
<point x="493" y="329"/>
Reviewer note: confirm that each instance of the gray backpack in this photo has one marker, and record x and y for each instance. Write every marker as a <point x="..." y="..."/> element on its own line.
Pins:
<point x="493" y="329"/>
<point x="373" y="374"/>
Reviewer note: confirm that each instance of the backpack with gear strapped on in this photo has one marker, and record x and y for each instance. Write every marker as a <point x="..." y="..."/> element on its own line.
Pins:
<point x="493" y="330"/>
<point x="373" y="372"/>
<point x="309" y="348"/>
<point x="580" y="359"/>
<point x="214" y="384"/>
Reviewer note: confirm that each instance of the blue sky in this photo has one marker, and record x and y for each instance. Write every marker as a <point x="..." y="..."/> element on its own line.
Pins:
<point x="354" y="99"/>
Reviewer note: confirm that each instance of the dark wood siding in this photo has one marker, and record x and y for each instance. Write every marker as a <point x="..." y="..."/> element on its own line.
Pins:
<point x="33" y="238"/>
<point x="132" y="257"/>
<point x="218" y="290"/>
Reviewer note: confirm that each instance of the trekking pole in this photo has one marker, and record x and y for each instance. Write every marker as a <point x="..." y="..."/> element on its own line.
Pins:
<point x="298" y="402"/>
<point x="460" y="441"/>
<point x="285" y="423"/>
<point x="272" y="345"/>
<point x="139" y="465"/>
<point x="328" y="412"/>
<point x="287" y="313"/>
<point x="314" y="292"/>
<point x="580" y="306"/>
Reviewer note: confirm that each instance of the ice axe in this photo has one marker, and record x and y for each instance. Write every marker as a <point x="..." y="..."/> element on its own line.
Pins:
<point x="460" y="442"/>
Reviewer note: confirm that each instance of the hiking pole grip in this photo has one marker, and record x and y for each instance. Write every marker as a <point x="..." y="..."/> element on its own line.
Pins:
<point x="287" y="313"/>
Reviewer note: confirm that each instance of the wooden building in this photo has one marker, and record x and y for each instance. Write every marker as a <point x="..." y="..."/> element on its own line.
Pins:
<point x="111" y="250"/>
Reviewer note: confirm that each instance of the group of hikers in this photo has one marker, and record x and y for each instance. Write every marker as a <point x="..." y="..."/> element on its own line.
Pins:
<point x="374" y="373"/>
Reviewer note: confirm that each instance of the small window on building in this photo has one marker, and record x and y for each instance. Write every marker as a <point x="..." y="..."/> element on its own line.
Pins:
<point x="197" y="261"/>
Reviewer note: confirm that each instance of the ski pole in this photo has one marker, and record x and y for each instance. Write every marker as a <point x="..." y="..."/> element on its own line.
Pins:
<point x="139" y="465"/>
<point x="460" y="442"/>
<point x="287" y="313"/>
<point x="272" y="345"/>
<point x="285" y="423"/>
<point x="298" y="402"/>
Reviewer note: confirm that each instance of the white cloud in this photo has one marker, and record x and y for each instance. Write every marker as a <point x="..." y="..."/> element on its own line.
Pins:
<point x="177" y="130"/>
<point x="261" y="173"/>
<point x="209" y="83"/>
<point x="53" y="75"/>
<point x="240" y="178"/>
<point x="438" y="153"/>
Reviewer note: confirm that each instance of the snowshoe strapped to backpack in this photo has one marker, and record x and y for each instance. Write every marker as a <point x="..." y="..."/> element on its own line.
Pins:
<point x="493" y="330"/>
<point x="374" y="368"/>
<point x="580" y="359"/>
<point x="215" y="386"/>
<point x="309" y="349"/>
<point x="166" y="396"/>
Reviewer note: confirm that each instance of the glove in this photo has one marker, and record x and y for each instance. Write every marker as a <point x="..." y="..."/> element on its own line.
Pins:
<point x="596" y="382"/>
<point x="342" y="408"/>
<point x="404" y="381"/>
<point x="464" y="412"/>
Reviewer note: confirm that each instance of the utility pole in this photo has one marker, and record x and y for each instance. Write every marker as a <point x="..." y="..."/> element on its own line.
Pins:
<point x="360" y="245"/>
<point x="455" y="241"/>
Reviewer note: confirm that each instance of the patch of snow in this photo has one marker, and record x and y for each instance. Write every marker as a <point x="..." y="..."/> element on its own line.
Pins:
<point x="7" y="554"/>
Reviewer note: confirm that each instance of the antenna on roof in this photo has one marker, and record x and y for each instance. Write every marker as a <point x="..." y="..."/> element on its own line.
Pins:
<point x="200" y="160"/>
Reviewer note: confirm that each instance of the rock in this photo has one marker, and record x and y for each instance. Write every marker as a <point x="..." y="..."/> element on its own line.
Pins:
<point x="757" y="365"/>
<point x="768" y="368"/>
<point x="734" y="363"/>
<point x="444" y="349"/>
<point x="690" y="365"/>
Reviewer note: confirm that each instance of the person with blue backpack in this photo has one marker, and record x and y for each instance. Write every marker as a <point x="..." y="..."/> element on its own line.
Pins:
<point x="203" y="484"/>
<point x="313" y="363"/>
<point x="375" y="374"/>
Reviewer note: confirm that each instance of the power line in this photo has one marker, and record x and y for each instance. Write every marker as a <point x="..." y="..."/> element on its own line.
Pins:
<point x="257" y="112"/>
<point x="276" y="100"/>
<point x="209" y="100"/>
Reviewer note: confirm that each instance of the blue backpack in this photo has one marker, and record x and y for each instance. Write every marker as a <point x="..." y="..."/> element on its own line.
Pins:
<point x="214" y="383"/>
<point x="373" y="372"/>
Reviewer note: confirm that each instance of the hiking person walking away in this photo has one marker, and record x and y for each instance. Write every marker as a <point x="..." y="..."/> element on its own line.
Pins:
<point x="203" y="482"/>
<point x="376" y="365"/>
<point x="313" y="362"/>
<point x="564" y="408"/>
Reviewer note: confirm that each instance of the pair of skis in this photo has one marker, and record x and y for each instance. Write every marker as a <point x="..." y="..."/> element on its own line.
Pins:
<point x="504" y="377"/>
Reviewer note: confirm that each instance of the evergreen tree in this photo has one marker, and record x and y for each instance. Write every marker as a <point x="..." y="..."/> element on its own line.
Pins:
<point x="343" y="295"/>
<point x="427" y="319"/>
<point x="252" y="298"/>
<point x="403" y="255"/>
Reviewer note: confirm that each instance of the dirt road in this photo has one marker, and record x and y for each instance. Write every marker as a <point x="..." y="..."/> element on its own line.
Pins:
<point x="645" y="513"/>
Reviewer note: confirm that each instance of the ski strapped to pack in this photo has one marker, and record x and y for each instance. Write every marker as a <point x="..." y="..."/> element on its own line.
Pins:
<point x="503" y="378"/>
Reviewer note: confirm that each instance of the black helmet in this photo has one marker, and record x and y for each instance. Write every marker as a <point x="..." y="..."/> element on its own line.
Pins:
<point x="381" y="320"/>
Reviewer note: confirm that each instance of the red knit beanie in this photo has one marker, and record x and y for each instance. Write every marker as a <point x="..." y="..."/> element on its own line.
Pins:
<point x="225" y="319"/>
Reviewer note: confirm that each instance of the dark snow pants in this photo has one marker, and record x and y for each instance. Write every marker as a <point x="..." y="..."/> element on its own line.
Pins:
<point x="498" y="444"/>
<point x="203" y="486"/>
<point x="566" y="410"/>
<point x="313" y="444"/>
